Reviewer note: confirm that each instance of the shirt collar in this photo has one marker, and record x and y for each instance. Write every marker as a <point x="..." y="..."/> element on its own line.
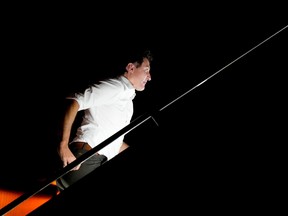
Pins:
<point x="127" y="82"/>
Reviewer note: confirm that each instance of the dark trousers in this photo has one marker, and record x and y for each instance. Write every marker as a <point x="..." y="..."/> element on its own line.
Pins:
<point x="79" y="148"/>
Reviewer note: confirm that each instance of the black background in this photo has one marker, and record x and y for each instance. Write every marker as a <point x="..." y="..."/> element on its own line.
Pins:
<point x="222" y="137"/>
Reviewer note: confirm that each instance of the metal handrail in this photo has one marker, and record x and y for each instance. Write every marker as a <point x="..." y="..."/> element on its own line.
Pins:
<point x="125" y="130"/>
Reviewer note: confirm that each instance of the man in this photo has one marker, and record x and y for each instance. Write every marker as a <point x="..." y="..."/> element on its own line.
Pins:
<point x="107" y="107"/>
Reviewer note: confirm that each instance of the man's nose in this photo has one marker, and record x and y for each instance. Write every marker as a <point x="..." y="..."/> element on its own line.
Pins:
<point x="149" y="77"/>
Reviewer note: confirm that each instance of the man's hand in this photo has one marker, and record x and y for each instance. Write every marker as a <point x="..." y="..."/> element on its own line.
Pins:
<point x="67" y="156"/>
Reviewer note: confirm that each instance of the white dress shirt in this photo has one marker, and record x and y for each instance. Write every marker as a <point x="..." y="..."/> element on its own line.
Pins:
<point x="108" y="107"/>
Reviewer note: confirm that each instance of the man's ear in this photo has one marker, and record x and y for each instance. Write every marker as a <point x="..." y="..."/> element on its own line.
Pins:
<point x="130" y="66"/>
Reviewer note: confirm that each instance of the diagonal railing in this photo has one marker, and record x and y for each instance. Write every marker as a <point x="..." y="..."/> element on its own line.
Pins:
<point x="135" y="123"/>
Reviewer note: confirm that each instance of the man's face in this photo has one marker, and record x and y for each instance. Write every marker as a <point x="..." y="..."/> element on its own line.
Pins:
<point x="141" y="75"/>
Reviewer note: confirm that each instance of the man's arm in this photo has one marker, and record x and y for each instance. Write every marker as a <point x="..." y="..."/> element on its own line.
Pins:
<point x="68" y="119"/>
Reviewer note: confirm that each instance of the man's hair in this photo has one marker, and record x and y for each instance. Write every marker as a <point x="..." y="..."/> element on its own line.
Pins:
<point x="113" y="61"/>
<point x="134" y="55"/>
<point x="138" y="56"/>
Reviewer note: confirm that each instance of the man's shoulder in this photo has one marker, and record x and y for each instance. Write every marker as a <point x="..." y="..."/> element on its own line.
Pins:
<point x="114" y="82"/>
